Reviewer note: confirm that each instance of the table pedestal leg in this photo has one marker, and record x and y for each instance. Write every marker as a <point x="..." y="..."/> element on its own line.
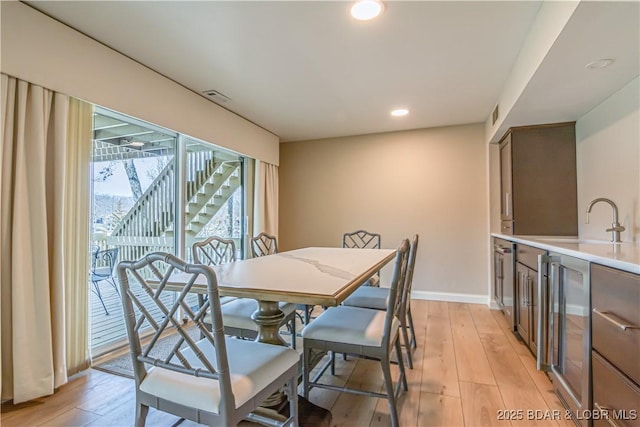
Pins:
<point x="268" y="318"/>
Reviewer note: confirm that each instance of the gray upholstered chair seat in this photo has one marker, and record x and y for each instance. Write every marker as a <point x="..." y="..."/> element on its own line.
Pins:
<point x="253" y="366"/>
<point x="369" y="297"/>
<point x="350" y="325"/>
<point x="237" y="313"/>
<point x="225" y="300"/>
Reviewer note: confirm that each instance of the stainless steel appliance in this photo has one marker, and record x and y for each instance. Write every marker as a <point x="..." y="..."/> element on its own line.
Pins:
<point x="503" y="286"/>
<point x="564" y="334"/>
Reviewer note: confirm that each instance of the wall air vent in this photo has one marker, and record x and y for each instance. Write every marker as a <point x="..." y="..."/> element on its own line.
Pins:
<point x="216" y="96"/>
<point x="494" y="115"/>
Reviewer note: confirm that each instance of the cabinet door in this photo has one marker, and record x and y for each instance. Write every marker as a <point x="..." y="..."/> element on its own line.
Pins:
<point x="506" y="185"/>
<point x="522" y="312"/>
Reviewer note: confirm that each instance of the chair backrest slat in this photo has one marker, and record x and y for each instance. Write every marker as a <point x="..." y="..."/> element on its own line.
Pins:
<point x="411" y="263"/>
<point x="361" y="239"/>
<point x="104" y="258"/>
<point x="214" y="251"/>
<point x="263" y="244"/>
<point x="395" y="291"/>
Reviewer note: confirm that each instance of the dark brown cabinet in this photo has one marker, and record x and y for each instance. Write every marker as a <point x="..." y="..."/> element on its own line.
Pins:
<point x="527" y="294"/>
<point x="538" y="183"/>
<point x="615" y="323"/>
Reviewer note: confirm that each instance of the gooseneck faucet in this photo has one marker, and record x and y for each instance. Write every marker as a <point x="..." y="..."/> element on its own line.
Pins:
<point x="616" y="228"/>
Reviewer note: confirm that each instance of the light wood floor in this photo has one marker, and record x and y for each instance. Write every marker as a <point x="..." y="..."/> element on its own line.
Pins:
<point x="467" y="368"/>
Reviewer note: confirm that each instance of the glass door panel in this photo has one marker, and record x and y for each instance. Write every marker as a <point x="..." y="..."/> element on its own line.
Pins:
<point x="213" y="195"/>
<point x="133" y="209"/>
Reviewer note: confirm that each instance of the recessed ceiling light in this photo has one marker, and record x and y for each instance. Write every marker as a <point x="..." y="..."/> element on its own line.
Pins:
<point x="136" y="143"/>
<point x="365" y="10"/>
<point x="400" y="112"/>
<point x="600" y="63"/>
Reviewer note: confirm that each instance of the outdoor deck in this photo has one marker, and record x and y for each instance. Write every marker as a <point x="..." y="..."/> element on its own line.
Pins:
<point x="109" y="331"/>
<point x="106" y="329"/>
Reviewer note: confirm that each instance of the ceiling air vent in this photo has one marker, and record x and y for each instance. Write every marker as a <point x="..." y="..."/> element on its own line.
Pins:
<point x="494" y="115"/>
<point x="216" y="96"/>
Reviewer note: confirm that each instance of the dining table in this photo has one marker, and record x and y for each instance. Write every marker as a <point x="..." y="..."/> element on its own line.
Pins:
<point x="312" y="276"/>
<point x="323" y="276"/>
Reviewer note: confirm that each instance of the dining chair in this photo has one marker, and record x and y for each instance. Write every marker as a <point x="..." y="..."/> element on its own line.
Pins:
<point x="361" y="332"/>
<point x="216" y="380"/>
<point x="363" y="239"/>
<point x="236" y="312"/>
<point x="265" y="244"/>
<point x="377" y="298"/>
<point x="102" y="264"/>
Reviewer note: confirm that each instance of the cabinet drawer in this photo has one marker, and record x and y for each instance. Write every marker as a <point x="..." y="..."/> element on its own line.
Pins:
<point x="528" y="256"/>
<point x="615" y="394"/>
<point x="615" y="298"/>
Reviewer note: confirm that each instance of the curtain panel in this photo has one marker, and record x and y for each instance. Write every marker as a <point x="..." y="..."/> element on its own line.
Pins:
<point x="265" y="203"/>
<point x="41" y="222"/>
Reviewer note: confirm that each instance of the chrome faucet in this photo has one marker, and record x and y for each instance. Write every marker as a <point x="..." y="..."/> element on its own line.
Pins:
<point x="616" y="228"/>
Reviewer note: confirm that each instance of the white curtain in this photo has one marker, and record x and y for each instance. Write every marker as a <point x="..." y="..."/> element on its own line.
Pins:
<point x="77" y="231"/>
<point x="265" y="202"/>
<point x="39" y="211"/>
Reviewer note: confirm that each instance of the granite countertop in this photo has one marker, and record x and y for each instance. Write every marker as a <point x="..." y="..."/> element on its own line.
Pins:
<point x="624" y="256"/>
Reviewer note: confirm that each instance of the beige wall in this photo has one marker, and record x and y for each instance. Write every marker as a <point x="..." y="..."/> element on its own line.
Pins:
<point x="43" y="51"/>
<point x="432" y="182"/>
<point x="608" y="155"/>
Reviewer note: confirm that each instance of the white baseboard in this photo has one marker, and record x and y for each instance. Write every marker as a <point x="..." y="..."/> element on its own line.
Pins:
<point x="451" y="297"/>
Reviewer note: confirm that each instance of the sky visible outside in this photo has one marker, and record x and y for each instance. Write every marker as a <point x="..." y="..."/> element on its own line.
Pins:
<point x="118" y="183"/>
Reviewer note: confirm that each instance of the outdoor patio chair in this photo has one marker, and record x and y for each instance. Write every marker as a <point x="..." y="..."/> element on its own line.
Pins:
<point x="378" y="298"/>
<point x="217" y="381"/>
<point x="236" y="312"/>
<point x="266" y="244"/>
<point x="102" y="264"/>
<point x="361" y="332"/>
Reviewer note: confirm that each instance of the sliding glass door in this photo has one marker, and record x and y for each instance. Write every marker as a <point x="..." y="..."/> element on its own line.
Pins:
<point x="153" y="190"/>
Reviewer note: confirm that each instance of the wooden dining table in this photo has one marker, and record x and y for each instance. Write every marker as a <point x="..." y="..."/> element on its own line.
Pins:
<point x="310" y="276"/>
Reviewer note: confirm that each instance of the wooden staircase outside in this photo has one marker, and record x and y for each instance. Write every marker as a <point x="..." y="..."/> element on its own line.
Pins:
<point x="148" y="225"/>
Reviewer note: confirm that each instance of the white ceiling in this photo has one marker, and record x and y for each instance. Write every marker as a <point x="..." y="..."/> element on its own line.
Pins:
<point x="307" y="70"/>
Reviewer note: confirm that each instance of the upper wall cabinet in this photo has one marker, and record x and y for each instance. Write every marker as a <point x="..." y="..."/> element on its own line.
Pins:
<point x="538" y="180"/>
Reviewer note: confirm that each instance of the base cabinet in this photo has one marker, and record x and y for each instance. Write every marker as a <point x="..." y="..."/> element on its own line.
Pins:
<point x="527" y="294"/>
<point x="616" y="399"/>
<point x="615" y="356"/>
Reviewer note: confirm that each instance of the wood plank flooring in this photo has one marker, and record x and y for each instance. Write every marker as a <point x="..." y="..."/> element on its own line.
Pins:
<point x="468" y="368"/>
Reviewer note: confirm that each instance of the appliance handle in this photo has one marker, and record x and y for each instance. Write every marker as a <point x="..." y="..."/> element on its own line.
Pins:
<point x="501" y="249"/>
<point x="604" y="410"/>
<point x="609" y="318"/>
<point x="544" y="310"/>
<point x="506" y="202"/>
